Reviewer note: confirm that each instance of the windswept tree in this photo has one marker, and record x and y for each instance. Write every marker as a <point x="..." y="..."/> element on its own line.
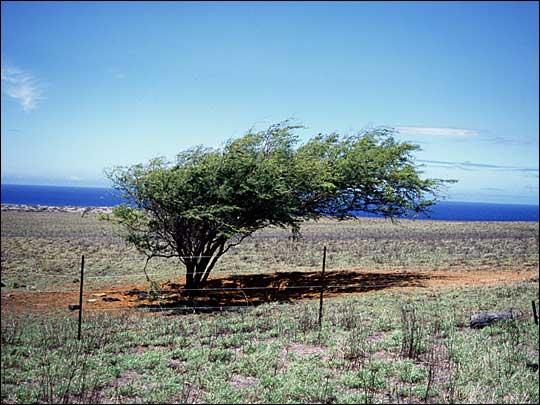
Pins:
<point x="209" y="200"/>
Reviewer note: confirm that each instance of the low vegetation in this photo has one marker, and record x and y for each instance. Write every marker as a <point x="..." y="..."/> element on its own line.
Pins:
<point x="275" y="353"/>
<point x="44" y="250"/>
<point x="384" y="346"/>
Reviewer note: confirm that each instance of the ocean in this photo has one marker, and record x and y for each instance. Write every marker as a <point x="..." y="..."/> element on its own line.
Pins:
<point x="59" y="196"/>
<point x="105" y="197"/>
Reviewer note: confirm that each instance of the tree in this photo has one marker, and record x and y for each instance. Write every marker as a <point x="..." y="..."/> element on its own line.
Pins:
<point x="209" y="200"/>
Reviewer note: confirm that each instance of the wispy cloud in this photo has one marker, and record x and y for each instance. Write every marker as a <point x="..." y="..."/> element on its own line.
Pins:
<point x="116" y="73"/>
<point x="496" y="189"/>
<point x="501" y="140"/>
<point x="439" y="131"/>
<point x="467" y="165"/>
<point x="462" y="134"/>
<point x="22" y="86"/>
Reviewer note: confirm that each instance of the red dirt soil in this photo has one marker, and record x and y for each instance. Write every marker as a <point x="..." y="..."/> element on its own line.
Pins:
<point x="254" y="289"/>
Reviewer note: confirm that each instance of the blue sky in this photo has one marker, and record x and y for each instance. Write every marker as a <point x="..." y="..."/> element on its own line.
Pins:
<point x="86" y="86"/>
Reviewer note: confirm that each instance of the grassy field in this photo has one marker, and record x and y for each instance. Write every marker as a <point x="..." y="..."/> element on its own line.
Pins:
<point x="390" y="346"/>
<point x="43" y="250"/>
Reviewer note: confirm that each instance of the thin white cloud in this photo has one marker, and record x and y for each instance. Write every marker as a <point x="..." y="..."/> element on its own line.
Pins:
<point x="467" y="165"/>
<point x="22" y="86"/>
<point x="117" y="73"/>
<point x="439" y="131"/>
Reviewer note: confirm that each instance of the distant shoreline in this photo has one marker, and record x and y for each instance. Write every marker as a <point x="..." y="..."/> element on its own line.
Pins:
<point x="54" y="208"/>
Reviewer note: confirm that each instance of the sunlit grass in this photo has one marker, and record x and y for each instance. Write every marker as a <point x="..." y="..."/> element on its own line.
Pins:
<point x="275" y="352"/>
<point x="41" y="249"/>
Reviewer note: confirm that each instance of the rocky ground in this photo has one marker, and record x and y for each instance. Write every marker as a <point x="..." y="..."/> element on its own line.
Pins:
<point x="47" y="208"/>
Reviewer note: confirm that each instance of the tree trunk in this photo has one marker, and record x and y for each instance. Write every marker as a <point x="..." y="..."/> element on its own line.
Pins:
<point x="205" y="263"/>
<point x="190" y="281"/>
<point x="199" y="271"/>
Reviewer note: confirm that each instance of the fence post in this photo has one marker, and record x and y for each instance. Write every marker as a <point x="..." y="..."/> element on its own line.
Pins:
<point x="535" y="314"/>
<point x="323" y="283"/>
<point x="80" y="298"/>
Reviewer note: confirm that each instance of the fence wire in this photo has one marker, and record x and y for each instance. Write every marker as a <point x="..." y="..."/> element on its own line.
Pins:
<point x="239" y="289"/>
<point x="259" y="255"/>
<point x="34" y="282"/>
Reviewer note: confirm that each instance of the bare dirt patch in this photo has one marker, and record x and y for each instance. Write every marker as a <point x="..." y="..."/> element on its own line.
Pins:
<point x="242" y="381"/>
<point x="256" y="289"/>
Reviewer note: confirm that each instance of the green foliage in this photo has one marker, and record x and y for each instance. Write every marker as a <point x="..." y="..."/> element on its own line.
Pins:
<point x="371" y="172"/>
<point x="211" y="199"/>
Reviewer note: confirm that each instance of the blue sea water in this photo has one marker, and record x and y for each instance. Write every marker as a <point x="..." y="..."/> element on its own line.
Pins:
<point x="477" y="211"/>
<point x="59" y="196"/>
<point x="105" y="197"/>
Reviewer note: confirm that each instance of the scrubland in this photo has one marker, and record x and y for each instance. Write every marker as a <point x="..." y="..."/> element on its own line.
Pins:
<point x="390" y="345"/>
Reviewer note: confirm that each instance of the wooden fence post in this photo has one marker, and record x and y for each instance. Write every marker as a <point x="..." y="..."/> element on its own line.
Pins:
<point x="80" y="298"/>
<point x="323" y="283"/>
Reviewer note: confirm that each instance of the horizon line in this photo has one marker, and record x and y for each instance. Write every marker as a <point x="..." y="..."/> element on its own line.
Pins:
<point x="112" y="188"/>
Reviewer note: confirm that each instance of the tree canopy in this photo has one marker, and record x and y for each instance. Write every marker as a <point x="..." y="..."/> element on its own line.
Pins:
<point x="209" y="200"/>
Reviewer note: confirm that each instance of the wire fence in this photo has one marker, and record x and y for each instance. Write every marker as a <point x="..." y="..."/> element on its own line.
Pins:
<point x="39" y="274"/>
<point x="329" y="287"/>
<point x="154" y="294"/>
<point x="258" y="255"/>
